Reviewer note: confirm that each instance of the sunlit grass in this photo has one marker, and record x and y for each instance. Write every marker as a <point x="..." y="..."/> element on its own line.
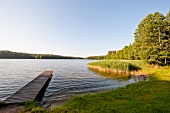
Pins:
<point x="161" y="73"/>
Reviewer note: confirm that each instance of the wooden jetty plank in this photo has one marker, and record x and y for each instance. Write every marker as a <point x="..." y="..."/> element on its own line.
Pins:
<point x="34" y="90"/>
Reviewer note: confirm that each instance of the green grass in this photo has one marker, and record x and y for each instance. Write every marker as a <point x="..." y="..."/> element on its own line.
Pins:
<point x="31" y="107"/>
<point x="142" y="97"/>
<point x="158" y="74"/>
<point x="117" y="65"/>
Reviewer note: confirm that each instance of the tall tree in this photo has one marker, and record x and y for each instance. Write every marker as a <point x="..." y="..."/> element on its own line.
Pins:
<point x="168" y="16"/>
<point x="151" y="39"/>
<point x="111" y="55"/>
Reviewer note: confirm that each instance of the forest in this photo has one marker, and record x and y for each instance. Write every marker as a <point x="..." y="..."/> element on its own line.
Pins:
<point x="5" y="54"/>
<point x="151" y="41"/>
<point x="96" y="57"/>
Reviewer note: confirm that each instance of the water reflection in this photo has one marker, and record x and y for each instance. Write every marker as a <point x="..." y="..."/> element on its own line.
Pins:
<point x="115" y="76"/>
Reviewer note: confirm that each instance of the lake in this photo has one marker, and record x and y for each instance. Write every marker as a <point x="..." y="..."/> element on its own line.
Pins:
<point x="70" y="77"/>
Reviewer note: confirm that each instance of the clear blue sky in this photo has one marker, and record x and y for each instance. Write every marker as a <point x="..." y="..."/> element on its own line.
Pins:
<point x="72" y="27"/>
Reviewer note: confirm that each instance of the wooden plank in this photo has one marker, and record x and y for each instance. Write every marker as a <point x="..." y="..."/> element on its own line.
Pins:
<point x="34" y="90"/>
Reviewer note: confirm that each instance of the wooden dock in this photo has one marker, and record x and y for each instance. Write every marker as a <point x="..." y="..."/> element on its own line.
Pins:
<point x="34" y="90"/>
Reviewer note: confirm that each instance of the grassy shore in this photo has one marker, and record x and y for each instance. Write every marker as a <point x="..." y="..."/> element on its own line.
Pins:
<point x="144" y="97"/>
<point x="117" y="66"/>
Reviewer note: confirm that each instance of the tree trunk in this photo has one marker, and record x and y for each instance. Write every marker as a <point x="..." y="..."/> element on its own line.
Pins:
<point x="165" y="61"/>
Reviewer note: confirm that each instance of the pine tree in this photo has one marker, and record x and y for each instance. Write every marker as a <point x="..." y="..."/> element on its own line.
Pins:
<point x="151" y="39"/>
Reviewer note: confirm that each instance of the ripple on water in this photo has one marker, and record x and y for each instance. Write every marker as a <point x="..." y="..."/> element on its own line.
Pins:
<point x="70" y="77"/>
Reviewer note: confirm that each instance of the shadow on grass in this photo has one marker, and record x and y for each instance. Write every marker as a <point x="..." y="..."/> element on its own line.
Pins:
<point x="2" y="104"/>
<point x="134" y="67"/>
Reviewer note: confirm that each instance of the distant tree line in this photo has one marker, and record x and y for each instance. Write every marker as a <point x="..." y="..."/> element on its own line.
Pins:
<point x="151" y="43"/>
<point x="96" y="57"/>
<point x="5" y="54"/>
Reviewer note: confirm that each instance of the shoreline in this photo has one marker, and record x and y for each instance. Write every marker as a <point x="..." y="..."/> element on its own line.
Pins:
<point x="114" y="71"/>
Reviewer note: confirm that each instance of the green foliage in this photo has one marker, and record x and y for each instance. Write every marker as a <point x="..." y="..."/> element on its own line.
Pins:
<point x="28" y="106"/>
<point x="10" y="54"/>
<point x="17" y="55"/>
<point x="116" y="64"/>
<point x="152" y="38"/>
<point x="32" y="107"/>
<point x="96" y="57"/>
<point x="152" y="41"/>
<point x="38" y="110"/>
<point x="127" y="53"/>
<point x="111" y="55"/>
<point x="168" y="16"/>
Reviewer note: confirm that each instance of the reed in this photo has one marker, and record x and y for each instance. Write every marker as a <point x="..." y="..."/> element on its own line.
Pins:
<point x="110" y="66"/>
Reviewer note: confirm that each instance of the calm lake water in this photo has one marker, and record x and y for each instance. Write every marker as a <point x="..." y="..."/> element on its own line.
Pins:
<point x="70" y="77"/>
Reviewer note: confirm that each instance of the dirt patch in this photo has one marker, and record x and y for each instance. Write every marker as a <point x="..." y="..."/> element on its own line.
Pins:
<point x="12" y="108"/>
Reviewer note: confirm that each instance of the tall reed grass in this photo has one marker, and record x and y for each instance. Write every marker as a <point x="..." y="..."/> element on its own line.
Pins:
<point x="118" y="65"/>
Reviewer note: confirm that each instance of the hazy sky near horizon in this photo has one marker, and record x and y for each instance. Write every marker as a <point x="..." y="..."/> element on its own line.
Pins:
<point x="72" y="27"/>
